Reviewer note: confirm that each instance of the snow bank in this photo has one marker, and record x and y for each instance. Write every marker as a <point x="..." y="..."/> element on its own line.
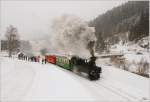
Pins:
<point x="133" y="84"/>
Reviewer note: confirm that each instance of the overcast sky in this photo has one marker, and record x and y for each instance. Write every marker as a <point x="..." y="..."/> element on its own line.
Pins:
<point x="33" y="18"/>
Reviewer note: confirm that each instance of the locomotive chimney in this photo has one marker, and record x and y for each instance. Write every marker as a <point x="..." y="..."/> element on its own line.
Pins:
<point x="90" y="47"/>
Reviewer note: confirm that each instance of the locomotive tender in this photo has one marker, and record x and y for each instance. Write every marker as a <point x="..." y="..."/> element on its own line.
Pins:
<point x="77" y="65"/>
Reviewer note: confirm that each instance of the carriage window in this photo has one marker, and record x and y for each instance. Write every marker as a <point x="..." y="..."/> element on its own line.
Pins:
<point x="67" y="61"/>
<point x="64" y="61"/>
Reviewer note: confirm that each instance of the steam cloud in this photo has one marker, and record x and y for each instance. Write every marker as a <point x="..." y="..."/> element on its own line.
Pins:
<point x="71" y="35"/>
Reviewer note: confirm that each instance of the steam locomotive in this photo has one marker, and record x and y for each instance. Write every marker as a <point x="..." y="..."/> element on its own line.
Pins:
<point x="77" y="65"/>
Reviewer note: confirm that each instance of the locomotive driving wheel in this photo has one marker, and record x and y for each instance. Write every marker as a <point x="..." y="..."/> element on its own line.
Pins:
<point x="93" y="75"/>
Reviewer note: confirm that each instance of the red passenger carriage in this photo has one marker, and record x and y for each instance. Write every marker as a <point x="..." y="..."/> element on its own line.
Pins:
<point x="51" y="59"/>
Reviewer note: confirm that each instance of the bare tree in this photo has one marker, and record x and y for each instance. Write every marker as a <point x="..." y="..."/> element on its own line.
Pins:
<point x="12" y="39"/>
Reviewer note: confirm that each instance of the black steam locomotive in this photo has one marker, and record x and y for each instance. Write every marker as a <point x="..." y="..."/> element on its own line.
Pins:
<point x="87" y="66"/>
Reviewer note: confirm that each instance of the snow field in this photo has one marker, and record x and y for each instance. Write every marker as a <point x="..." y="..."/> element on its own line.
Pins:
<point x="32" y="81"/>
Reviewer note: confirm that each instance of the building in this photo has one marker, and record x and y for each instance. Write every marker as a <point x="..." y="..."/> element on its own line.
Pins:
<point x="4" y="45"/>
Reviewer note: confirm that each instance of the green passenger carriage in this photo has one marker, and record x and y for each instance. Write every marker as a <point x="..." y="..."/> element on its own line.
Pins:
<point x="64" y="62"/>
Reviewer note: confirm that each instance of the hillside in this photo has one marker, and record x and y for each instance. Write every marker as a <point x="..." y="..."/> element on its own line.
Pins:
<point x="129" y="21"/>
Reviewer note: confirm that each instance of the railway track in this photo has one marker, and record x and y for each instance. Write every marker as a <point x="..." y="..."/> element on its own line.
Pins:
<point x="116" y="91"/>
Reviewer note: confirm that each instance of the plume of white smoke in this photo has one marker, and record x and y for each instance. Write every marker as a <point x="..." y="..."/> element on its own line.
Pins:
<point x="40" y="44"/>
<point x="71" y="35"/>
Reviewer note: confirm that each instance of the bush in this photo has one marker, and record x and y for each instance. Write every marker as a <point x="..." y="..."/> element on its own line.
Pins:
<point x="118" y="62"/>
<point x="142" y="67"/>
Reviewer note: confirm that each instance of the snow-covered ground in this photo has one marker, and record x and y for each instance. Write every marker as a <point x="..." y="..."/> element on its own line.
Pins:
<point x="32" y="81"/>
<point x="133" y="53"/>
